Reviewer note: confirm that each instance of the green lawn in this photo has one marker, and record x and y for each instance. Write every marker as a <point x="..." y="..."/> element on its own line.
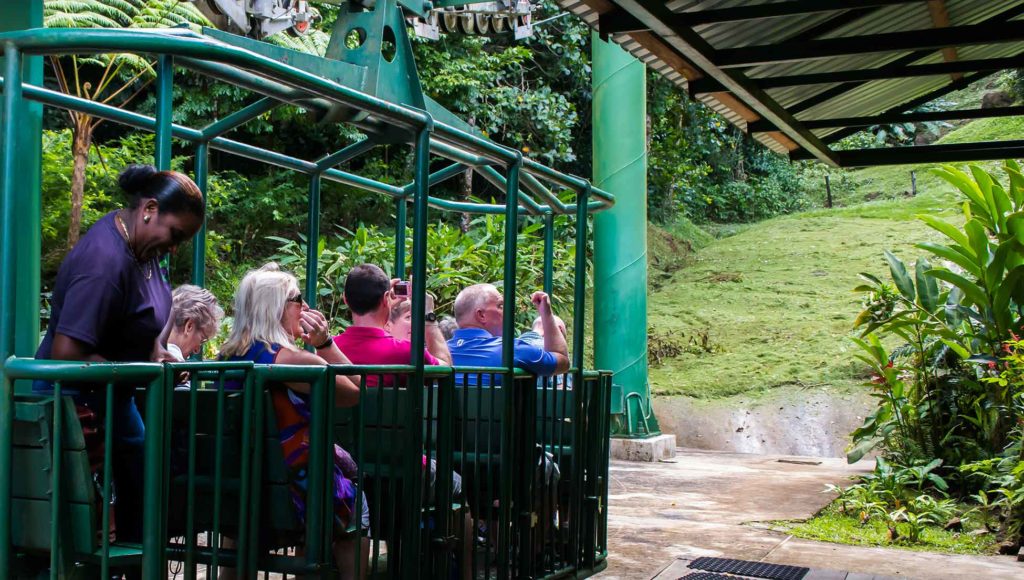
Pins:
<point x="832" y="526"/>
<point x="771" y="304"/>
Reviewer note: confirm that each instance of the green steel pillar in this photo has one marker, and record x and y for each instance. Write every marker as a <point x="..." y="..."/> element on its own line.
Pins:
<point x="28" y="144"/>
<point x="620" y="235"/>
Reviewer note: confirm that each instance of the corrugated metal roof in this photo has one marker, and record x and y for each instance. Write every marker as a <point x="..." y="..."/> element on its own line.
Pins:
<point x="867" y="98"/>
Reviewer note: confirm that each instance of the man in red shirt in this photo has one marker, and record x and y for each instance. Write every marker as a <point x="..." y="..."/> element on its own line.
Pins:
<point x="370" y="295"/>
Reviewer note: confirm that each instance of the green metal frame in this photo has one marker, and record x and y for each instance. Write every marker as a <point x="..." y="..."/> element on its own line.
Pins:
<point x="528" y="186"/>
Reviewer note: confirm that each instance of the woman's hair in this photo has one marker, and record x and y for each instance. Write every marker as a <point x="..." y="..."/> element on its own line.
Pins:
<point x="174" y="192"/>
<point x="259" y="303"/>
<point x="399" y="309"/>
<point x="198" y="305"/>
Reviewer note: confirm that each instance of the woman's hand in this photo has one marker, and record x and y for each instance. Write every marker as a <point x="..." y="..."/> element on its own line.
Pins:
<point x="315" y="329"/>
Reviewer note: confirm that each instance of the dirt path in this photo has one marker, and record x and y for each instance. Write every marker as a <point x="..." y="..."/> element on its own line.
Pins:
<point x="708" y="504"/>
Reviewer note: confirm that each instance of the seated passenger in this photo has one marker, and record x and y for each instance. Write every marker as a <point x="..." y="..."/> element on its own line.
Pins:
<point x="369" y="295"/>
<point x="375" y="311"/>
<point x="195" y="319"/>
<point x="270" y="315"/>
<point x="478" y="340"/>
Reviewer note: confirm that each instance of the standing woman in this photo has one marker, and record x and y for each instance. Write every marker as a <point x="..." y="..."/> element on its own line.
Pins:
<point x="111" y="302"/>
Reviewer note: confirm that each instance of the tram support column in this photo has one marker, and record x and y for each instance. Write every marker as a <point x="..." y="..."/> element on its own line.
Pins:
<point x="28" y="143"/>
<point x="620" y="250"/>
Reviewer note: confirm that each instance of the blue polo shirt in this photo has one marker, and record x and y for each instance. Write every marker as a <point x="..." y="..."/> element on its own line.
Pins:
<point x="475" y="347"/>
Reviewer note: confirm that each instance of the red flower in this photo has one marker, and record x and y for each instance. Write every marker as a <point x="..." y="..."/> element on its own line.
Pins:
<point x="991" y="365"/>
<point x="889" y="366"/>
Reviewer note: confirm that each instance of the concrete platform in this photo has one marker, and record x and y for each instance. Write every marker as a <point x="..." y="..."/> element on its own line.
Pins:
<point x="648" y="449"/>
<point x="704" y="503"/>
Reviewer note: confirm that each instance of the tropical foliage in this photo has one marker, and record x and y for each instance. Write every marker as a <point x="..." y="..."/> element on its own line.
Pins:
<point x="941" y="342"/>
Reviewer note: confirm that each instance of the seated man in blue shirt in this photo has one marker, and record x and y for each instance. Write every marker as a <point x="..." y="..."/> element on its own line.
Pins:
<point x="477" y="342"/>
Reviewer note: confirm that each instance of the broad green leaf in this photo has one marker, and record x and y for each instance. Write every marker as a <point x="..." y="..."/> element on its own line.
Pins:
<point x="947" y="229"/>
<point x="961" y="181"/>
<point x="984" y="185"/>
<point x="959" y="350"/>
<point x="1007" y="285"/>
<point x="953" y="255"/>
<point x="1016" y="182"/>
<point x="979" y="240"/>
<point x="900" y="276"/>
<point x="971" y="291"/>
<point x="927" y="287"/>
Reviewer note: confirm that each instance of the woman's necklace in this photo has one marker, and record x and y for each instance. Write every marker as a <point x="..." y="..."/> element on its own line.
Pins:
<point x="148" y="270"/>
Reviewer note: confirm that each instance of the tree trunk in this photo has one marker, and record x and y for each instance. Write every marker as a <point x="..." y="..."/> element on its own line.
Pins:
<point x="465" y="192"/>
<point x="81" y="141"/>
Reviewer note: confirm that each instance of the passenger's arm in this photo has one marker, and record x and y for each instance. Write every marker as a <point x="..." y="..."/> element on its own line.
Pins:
<point x="346" y="392"/>
<point x="554" y="342"/>
<point x="66" y="348"/>
<point x="316" y="333"/>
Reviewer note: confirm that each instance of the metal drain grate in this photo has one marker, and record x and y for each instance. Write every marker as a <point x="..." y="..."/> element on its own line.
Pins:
<point x="707" y="576"/>
<point x="745" y="568"/>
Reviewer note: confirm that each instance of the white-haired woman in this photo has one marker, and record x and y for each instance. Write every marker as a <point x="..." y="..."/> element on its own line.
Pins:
<point x="195" y="319"/>
<point x="270" y="315"/>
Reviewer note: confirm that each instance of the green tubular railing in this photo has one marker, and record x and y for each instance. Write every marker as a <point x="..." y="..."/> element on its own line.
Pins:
<point x="462" y="429"/>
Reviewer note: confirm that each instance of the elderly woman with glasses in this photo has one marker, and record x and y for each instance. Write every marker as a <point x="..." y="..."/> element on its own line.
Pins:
<point x="270" y="315"/>
<point x="195" y="319"/>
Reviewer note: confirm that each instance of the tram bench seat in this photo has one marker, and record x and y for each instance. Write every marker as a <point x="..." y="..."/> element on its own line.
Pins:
<point x="31" y="486"/>
<point x="480" y="415"/>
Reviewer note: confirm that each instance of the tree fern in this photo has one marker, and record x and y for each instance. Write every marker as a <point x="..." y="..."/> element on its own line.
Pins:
<point x="313" y="43"/>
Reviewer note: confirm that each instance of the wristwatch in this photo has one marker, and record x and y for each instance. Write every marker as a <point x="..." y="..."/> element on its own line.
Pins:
<point x="430" y="317"/>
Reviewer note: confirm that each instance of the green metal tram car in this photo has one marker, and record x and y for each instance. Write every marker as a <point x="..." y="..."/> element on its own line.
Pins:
<point x="229" y="481"/>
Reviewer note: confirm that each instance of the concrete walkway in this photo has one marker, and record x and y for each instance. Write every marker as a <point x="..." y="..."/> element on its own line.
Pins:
<point x="708" y="504"/>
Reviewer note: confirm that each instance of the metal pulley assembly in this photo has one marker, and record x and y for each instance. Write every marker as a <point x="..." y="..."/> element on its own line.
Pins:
<point x="260" y="18"/>
<point x="486" y="18"/>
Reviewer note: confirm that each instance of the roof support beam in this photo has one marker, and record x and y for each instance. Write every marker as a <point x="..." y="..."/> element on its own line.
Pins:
<point x="892" y="118"/>
<point x="697" y="50"/>
<point x="911" y="58"/>
<point x="932" y="39"/>
<point x="793" y="7"/>
<point x="617" y="21"/>
<point x="909" y="105"/>
<point x="706" y="85"/>
<point x="948" y="153"/>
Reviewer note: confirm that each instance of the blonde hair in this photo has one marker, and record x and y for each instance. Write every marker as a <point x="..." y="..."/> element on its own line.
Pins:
<point x="259" y="304"/>
<point x="198" y="305"/>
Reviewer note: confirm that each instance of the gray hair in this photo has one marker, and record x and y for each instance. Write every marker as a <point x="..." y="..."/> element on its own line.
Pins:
<point x="259" y="303"/>
<point x="198" y="305"/>
<point x="448" y="327"/>
<point x="470" y="299"/>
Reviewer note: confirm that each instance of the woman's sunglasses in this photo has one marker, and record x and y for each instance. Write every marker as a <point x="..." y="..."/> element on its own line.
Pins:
<point x="296" y="299"/>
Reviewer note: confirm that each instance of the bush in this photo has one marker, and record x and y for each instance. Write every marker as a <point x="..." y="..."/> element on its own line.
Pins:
<point x="951" y="394"/>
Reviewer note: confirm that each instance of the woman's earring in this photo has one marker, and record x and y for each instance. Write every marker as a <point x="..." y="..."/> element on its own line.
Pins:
<point x="146" y="219"/>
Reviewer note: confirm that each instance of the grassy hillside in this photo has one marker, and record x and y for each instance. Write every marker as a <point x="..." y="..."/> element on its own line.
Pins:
<point x="771" y="304"/>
